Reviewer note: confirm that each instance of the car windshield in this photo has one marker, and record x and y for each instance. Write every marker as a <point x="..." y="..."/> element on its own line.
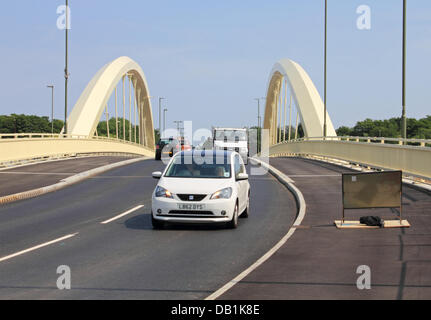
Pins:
<point x="231" y="135"/>
<point x="186" y="167"/>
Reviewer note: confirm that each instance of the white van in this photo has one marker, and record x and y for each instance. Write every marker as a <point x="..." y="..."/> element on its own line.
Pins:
<point x="232" y="139"/>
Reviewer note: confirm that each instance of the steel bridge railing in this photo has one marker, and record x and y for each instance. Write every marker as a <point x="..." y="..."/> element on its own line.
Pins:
<point x="380" y="140"/>
<point x="19" y="147"/>
<point x="412" y="156"/>
<point x="67" y="136"/>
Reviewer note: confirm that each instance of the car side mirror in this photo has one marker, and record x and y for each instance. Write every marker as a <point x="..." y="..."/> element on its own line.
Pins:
<point x="157" y="175"/>
<point x="242" y="176"/>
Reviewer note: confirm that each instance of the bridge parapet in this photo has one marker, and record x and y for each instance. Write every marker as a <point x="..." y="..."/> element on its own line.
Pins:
<point x="381" y="140"/>
<point x="412" y="156"/>
<point x="27" y="146"/>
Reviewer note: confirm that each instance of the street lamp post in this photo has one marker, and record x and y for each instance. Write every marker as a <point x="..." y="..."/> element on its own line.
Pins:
<point x="66" y="71"/>
<point x="258" y="111"/>
<point x="404" y="118"/>
<point x="52" y="107"/>
<point x="160" y="114"/>
<point x="259" y="122"/>
<point x="164" y="119"/>
<point x="326" y="32"/>
<point x="178" y="123"/>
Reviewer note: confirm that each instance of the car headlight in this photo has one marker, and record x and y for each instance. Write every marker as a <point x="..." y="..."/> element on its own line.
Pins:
<point x="222" y="194"/>
<point x="163" y="193"/>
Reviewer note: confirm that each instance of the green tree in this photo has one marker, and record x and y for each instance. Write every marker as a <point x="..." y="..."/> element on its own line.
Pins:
<point x="390" y="128"/>
<point x="21" y="123"/>
<point x="344" y="131"/>
<point x="103" y="132"/>
<point x="7" y="124"/>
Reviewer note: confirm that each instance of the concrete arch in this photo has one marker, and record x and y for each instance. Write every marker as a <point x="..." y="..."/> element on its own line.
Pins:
<point x="305" y="95"/>
<point x="85" y="116"/>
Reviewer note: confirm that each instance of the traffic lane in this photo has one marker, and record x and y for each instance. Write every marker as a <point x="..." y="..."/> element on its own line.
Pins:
<point x="29" y="222"/>
<point x="20" y="179"/>
<point x="74" y="165"/>
<point x="320" y="262"/>
<point x="127" y="259"/>
<point x="320" y="184"/>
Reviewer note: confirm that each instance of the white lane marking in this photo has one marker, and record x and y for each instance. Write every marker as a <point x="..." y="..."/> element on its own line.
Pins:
<point x="121" y="177"/>
<point x="315" y="175"/>
<point x="123" y="214"/>
<point x="254" y="266"/>
<point x="37" y="247"/>
<point x="39" y="173"/>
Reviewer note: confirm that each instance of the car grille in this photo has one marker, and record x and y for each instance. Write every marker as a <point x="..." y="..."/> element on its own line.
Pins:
<point x="192" y="197"/>
<point x="186" y="212"/>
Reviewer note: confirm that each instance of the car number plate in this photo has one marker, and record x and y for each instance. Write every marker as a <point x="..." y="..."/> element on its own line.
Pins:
<point x="191" y="206"/>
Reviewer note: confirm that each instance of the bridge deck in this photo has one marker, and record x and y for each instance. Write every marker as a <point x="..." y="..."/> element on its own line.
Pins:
<point x="40" y="175"/>
<point x="320" y="262"/>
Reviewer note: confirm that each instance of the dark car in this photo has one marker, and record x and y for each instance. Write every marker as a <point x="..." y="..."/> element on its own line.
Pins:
<point x="170" y="147"/>
<point x="161" y="147"/>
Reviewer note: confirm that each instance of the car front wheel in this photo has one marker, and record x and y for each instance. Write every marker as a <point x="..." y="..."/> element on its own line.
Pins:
<point x="246" y="212"/>
<point x="233" y="224"/>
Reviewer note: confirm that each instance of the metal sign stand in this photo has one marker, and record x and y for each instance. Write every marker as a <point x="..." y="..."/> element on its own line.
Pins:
<point x="360" y="197"/>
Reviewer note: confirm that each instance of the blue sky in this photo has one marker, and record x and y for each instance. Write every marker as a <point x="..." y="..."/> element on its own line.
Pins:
<point x="212" y="58"/>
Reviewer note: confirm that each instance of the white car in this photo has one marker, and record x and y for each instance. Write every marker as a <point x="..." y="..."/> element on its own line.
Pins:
<point x="201" y="187"/>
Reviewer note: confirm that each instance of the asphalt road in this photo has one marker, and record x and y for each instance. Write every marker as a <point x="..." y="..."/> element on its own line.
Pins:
<point x="320" y="262"/>
<point x="43" y="174"/>
<point x="127" y="259"/>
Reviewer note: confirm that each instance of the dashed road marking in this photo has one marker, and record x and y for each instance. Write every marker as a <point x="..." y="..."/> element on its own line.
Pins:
<point x="123" y="214"/>
<point x="37" y="247"/>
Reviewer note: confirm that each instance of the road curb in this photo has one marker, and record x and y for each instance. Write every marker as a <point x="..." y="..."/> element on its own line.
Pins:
<point x="288" y="183"/>
<point x="66" y="182"/>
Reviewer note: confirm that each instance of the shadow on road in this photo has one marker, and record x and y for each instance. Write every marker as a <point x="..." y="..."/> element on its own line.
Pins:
<point x="143" y="222"/>
<point x="196" y="227"/>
